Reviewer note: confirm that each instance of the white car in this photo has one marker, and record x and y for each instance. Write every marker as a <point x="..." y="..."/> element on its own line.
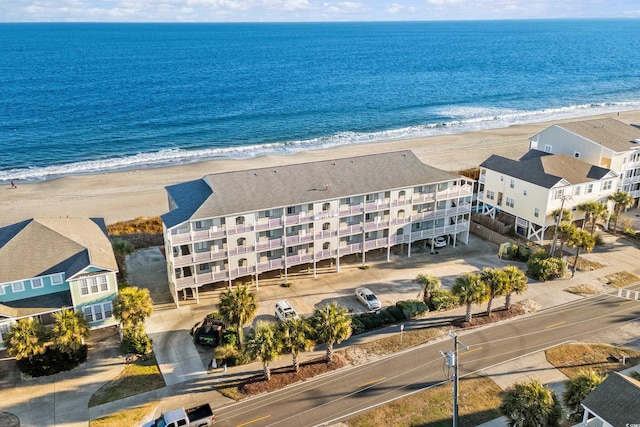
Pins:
<point x="284" y="311"/>
<point x="438" y="242"/>
<point x="368" y="298"/>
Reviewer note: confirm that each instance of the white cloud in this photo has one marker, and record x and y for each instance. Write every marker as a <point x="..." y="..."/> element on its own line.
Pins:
<point x="394" y="8"/>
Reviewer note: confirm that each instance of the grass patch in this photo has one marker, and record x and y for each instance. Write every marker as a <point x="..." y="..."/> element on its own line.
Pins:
<point x="583" y="290"/>
<point x="570" y="359"/>
<point x="621" y="279"/>
<point x="141" y="224"/>
<point x="137" y="377"/>
<point x="478" y="403"/>
<point x="583" y="264"/>
<point x="129" y="417"/>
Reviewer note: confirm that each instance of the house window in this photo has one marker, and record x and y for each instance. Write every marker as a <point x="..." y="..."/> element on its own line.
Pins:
<point x="512" y="183"/>
<point x="589" y="188"/>
<point x="606" y="185"/>
<point x="501" y="178"/>
<point x="2" y="291"/>
<point x="576" y="190"/>
<point x="576" y="154"/>
<point x="559" y="193"/>
<point x="524" y="192"/>
<point x="536" y="212"/>
<point x="93" y="285"/>
<point x="490" y="194"/>
<point x="37" y="283"/>
<point x="547" y="148"/>
<point x="510" y="202"/>
<point x="56" y="279"/>
<point x="17" y="287"/>
<point x="97" y="312"/>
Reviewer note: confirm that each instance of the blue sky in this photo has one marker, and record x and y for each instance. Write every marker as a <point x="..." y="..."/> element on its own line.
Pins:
<point x="307" y="10"/>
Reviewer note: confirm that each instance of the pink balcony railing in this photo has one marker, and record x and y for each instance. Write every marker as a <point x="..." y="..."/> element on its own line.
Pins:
<point x="269" y="244"/>
<point x="376" y="243"/>
<point x="375" y="225"/>
<point x="401" y="202"/>
<point x="325" y="254"/>
<point x="326" y="234"/>
<point x="299" y="218"/>
<point x="376" y="206"/>
<point x="266" y="224"/>
<point x="299" y="259"/>
<point x="239" y="229"/>
<point x="351" y="229"/>
<point x="239" y="250"/>
<point x="270" y="265"/>
<point x="350" y="210"/>
<point x="242" y="271"/>
<point x="350" y="249"/>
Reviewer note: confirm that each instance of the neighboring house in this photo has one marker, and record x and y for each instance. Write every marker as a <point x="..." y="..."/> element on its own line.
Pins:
<point x="608" y="143"/>
<point x="530" y="189"/>
<point x="614" y="403"/>
<point x="47" y="264"/>
<point x="231" y="225"/>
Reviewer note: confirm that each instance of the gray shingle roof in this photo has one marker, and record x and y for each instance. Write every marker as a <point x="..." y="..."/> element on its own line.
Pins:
<point x="546" y="170"/>
<point x="616" y="400"/>
<point x="609" y="133"/>
<point x="265" y="188"/>
<point x="42" y="246"/>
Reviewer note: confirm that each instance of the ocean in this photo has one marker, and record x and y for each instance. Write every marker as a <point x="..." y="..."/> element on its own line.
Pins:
<point x="90" y="98"/>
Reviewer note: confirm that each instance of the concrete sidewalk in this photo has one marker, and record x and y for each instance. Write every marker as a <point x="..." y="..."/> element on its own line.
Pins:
<point x="62" y="400"/>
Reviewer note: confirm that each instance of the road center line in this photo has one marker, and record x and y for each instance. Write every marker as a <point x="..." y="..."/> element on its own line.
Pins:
<point x="372" y="382"/>
<point x="253" y="421"/>
<point x="555" y="324"/>
<point x="472" y="350"/>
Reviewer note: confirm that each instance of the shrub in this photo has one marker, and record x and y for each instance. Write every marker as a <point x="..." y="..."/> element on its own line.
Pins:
<point x="543" y="267"/>
<point x="215" y="316"/>
<point x="599" y="239"/>
<point x="287" y="284"/>
<point x="357" y="327"/>
<point x="518" y="253"/>
<point x="396" y="313"/>
<point x="364" y="267"/>
<point x="386" y="317"/>
<point x="366" y="321"/>
<point x="629" y="232"/>
<point x="443" y="299"/>
<point x="135" y="341"/>
<point x="229" y="336"/>
<point x="376" y="321"/>
<point x="52" y="361"/>
<point x="412" y="308"/>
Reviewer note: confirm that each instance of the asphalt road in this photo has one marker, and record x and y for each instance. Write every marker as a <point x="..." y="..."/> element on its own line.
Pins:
<point x="338" y="396"/>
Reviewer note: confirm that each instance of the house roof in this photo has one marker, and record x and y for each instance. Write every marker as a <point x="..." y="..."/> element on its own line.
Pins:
<point x="609" y="133"/>
<point x="256" y="189"/>
<point x="36" y="305"/>
<point x="545" y="169"/>
<point x="615" y="400"/>
<point x="42" y="246"/>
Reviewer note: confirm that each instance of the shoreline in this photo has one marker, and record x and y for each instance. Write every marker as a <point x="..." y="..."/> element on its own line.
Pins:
<point x="125" y="195"/>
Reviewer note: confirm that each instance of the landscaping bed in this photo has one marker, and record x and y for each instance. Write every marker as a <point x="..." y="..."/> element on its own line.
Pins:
<point x="497" y="315"/>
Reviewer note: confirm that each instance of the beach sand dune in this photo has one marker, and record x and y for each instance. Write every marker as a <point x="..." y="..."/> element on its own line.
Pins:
<point x="119" y="196"/>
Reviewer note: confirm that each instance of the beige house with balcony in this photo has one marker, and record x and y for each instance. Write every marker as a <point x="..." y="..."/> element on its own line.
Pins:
<point x="608" y="143"/>
<point x="530" y="189"/>
<point x="240" y="224"/>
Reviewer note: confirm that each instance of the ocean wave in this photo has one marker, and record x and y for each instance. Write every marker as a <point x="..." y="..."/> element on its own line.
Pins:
<point x="459" y="119"/>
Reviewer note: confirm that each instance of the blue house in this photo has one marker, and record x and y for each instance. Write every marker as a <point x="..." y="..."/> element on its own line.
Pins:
<point x="47" y="264"/>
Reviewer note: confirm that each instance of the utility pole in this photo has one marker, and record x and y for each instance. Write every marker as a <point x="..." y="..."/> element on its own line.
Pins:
<point x="452" y="358"/>
<point x="558" y="218"/>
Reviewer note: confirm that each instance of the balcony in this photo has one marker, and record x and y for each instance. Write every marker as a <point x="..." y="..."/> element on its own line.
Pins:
<point x="401" y="202"/>
<point x="398" y="221"/>
<point x="376" y="206"/>
<point x="269" y="244"/>
<point x="375" y="244"/>
<point x="324" y="234"/>
<point x="267" y="224"/>
<point x="242" y="271"/>
<point x="299" y="259"/>
<point x="325" y="254"/>
<point x="273" y="264"/>
<point x="210" y="233"/>
<point x="301" y="218"/>
<point x="239" y="229"/>
<point x="350" y="249"/>
<point x="298" y="238"/>
<point x="325" y="214"/>
<point x="351" y="229"/>
<point x="200" y="279"/>
<point x="239" y="250"/>
<point x="423" y="197"/>
<point x="209" y="255"/>
<point x="376" y="225"/>
<point x="347" y="210"/>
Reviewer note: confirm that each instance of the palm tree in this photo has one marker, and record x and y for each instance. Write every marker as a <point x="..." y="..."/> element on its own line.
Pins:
<point x="294" y="335"/>
<point x="25" y="339"/>
<point x="429" y="284"/>
<point x="565" y="215"/>
<point x="530" y="405"/>
<point x="621" y="200"/>
<point x="263" y="344"/>
<point x="132" y="306"/>
<point x="565" y="230"/>
<point x="496" y="281"/>
<point x="593" y="211"/>
<point x="122" y="248"/>
<point x="332" y="325"/>
<point x="238" y="307"/>
<point x="516" y="283"/>
<point x="70" y="330"/>
<point x="581" y="239"/>
<point x="470" y="289"/>
<point x="577" y="389"/>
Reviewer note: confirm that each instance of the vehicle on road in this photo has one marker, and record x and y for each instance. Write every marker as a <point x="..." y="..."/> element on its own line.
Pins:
<point x="368" y="298"/>
<point x="438" y="242"/>
<point x="199" y="416"/>
<point x="284" y="311"/>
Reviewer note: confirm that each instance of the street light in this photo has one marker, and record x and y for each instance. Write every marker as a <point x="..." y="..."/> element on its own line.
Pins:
<point x="452" y="361"/>
<point x="558" y="217"/>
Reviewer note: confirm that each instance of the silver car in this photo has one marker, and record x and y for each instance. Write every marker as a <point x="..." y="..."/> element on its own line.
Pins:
<point x="368" y="298"/>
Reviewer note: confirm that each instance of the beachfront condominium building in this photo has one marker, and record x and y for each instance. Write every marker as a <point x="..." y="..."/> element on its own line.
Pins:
<point x="47" y="264"/>
<point x="529" y="190"/>
<point x="240" y="224"/>
<point x="608" y="143"/>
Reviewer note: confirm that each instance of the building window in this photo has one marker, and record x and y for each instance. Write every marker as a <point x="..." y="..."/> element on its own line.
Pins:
<point x="371" y="197"/>
<point x="401" y="195"/>
<point x="326" y="207"/>
<point x="2" y="291"/>
<point x="512" y="183"/>
<point x="240" y="220"/>
<point x="93" y="285"/>
<point x="606" y="185"/>
<point x="536" y="212"/>
<point x="291" y="210"/>
<point x="37" y="283"/>
<point x="17" y="287"/>
<point x="576" y="190"/>
<point x="576" y="154"/>
<point x="547" y="148"/>
<point x="97" y="312"/>
<point x="199" y="225"/>
<point x="589" y="188"/>
<point x="241" y="241"/>
<point x="326" y="226"/>
<point x="202" y="246"/>
<point x="501" y="177"/>
<point x="510" y="202"/>
<point x="524" y="192"/>
<point x="559" y="193"/>
<point x="56" y="279"/>
<point x="203" y="267"/>
<point x="490" y="194"/>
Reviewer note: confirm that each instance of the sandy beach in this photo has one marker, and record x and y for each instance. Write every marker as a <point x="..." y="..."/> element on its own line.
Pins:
<point x="119" y="196"/>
